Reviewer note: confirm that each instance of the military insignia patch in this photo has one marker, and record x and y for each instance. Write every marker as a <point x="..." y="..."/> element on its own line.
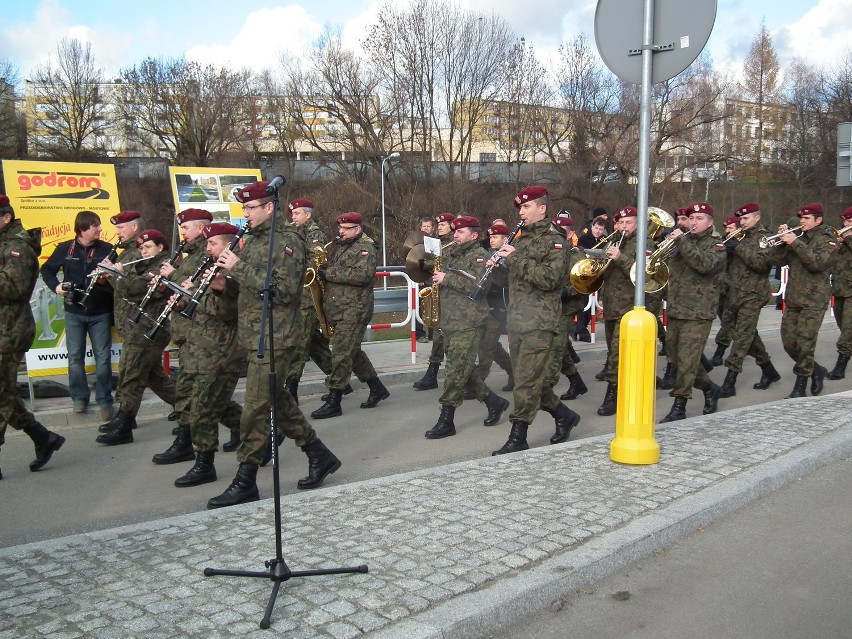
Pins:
<point x="15" y="254"/>
<point x="288" y="251"/>
<point x="364" y="253"/>
<point x="557" y="247"/>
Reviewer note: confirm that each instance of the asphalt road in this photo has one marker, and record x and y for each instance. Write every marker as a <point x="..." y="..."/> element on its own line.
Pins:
<point x="89" y="487"/>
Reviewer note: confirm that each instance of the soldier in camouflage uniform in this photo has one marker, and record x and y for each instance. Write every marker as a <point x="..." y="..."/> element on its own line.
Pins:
<point x="811" y="258"/>
<point x="140" y="365"/>
<point x="314" y="342"/>
<point x="247" y="270"/>
<point x="462" y="320"/>
<point x="726" y="313"/>
<point x="563" y="356"/>
<point x="348" y="303"/>
<point x="19" y="251"/>
<point x="436" y="356"/>
<point x="841" y="288"/>
<point x="748" y="292"/>
<point x="695" y="269"/>
<point x="536" y="265"/>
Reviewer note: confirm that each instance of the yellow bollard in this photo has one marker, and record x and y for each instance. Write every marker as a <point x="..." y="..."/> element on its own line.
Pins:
<point x="634" y="441"/>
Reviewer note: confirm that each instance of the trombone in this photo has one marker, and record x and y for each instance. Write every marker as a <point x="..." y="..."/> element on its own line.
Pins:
<point x="773" y="240"/>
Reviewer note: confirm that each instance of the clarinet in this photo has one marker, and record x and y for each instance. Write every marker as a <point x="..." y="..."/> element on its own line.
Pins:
<point x="155" y="283"/>
<point x="495" y="262"/>
<point x="113" y="253"/>
<point x="151" y="333"/>
<point x="189" y="311"/>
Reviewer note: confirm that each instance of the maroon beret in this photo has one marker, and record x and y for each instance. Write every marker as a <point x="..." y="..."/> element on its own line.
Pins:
<point x="125" y="216"/>
<point x="814" y="208"/>
<point x="350" y="218"/>
<point x="627" y="211"/>
<point x="498" y="229"/>
<point x="194" y="215"/>
<point x="465" y="222"/>
<point x="847" y="214"/>
<point x="682" y="211"/>
<point x="563" y="221"/>
<point x="251" y="192"/>
<point x="748" y="207"/>
<point x="151" y="235"/>
<point x="733" y="219"/>
<point x="529" y="193"/>
<point x="219" y="228"/>
<point x="701" y="207"/>
<point x="444" y="217"/>
<point x="300" y="204"/>
<point x="4" y="200"/>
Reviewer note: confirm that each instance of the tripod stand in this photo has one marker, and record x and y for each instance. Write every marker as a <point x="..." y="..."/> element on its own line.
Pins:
<point x="277" y="569"/>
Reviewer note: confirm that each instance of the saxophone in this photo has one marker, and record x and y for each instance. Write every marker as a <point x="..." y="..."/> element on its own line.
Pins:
<point x="316" y="287"/>
<point x="430" y="297"/>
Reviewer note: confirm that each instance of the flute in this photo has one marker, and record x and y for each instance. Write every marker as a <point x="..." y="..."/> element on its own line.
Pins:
<point x="495" y="262"/>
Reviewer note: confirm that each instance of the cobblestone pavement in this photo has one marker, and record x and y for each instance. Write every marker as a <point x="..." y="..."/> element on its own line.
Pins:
<point x="454" y="551"/>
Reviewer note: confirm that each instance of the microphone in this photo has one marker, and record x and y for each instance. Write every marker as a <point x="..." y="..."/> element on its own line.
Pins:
<point x="275" y="183"/>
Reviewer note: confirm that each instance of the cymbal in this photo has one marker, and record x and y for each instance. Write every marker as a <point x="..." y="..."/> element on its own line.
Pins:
<point x="412" y="264"/>
<point x="414" y="238"/>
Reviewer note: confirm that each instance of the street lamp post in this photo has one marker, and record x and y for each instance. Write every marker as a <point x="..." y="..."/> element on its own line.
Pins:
<point x="384" y="234"/>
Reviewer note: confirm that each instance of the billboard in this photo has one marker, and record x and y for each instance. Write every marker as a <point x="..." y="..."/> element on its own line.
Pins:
<point x="211" y="189"/>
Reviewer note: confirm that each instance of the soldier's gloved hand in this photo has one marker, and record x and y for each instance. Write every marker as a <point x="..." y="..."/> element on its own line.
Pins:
<point x="321" y="274"/>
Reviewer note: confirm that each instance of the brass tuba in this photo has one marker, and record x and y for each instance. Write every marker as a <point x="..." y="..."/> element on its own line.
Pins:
<point x="430" y="297"/>
<point x="316" y="287"/>
<point x="656" y="271"/>
<point x="587" y="274"/>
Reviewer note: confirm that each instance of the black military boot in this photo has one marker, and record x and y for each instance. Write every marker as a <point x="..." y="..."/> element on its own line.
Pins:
<point x="118" y="418"/>
<point x="576" y="388"/>
<point x="718" y="358"/>
<point x="173" y="416"/>
<point x="706" y="363"/>
<point x="817" y="378"/>
<point x="517" y="440"/>
<point x="321" y="463"/>
<point x="669" y="376"/>
<point x="203" y="472"/>
<point x="711" y="399"/>
<point x="565" y="420"/>
<point x="496" y="407"/>
<point x="572" y="353"/>
<point x="677" y="412"/>
<point x="445" y="426"/>
<point x="292" y="386"/>
<point x="602" y="375"/>
<point x="429" y="379"/>
<point x="331" y="408"/>
<point x="510" y="385"/>
<point x="839" y="370"/>
<point x="179" y="451"/>
<point x="121" y="434"/>
<point x="608" y="406"/>
<point x="378" y="392"/>
<point x="768" y="376"/>
<point x="242" y="490"/>
<point x="799" y="388"/>
<point x="347" y="390"/>
<point x="46" y="442"/>
<point x="729" y="386"/>
<point x="233" y="443"/>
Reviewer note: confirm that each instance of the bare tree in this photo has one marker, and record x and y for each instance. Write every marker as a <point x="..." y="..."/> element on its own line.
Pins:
<point x="13" y="133"/>
<point x="67" y="109"/>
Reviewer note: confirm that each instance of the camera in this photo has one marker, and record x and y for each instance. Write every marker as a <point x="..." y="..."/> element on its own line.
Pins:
<point x="72" y="292"/>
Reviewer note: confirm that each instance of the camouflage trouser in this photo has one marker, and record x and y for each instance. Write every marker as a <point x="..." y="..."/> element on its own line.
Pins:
<point x="727" y="316"/>
<point x="254" y="425"/>
<point x="745" y="339"/>
<point x="183" y="393"/>
<point x="459" y="370"/>
<point x="140" y="368"/>
<point x="437" y="354"/>
<point x="612" y="330"/>
<point x="654" y="305"/>
<point x="799" y="332"/>
<point x="559" y="353"/>
<point x="13" y="412"/>
<point x="210" y="404"/>
<point x="314" y="346"/>
<point x="685" y="344"/>
<point x="843" y="318"/>
<point x="491" y="350"/>
<point x="347" y="357"/>
<point x="531" y="353"/>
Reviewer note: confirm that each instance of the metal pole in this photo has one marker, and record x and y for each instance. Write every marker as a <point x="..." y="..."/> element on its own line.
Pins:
<point x="384" y="234"/>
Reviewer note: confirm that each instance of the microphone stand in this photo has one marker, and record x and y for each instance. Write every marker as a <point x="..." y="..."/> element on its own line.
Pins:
<point x="277" y="569"/>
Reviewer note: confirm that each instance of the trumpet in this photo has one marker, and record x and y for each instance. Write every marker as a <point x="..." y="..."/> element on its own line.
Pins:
<point x="111" y="256"/>
<point x="587" y="274"/>
<point x="734" y="235"/>
<point x="773" y="240"/>
<point x="838" y="233"/>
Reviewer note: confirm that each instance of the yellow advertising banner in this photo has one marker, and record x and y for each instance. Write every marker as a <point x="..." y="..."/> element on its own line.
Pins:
<point x="211" y="189"/>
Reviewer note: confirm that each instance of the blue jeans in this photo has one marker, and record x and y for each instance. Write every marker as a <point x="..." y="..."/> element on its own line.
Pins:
<point x="98" y="328"/>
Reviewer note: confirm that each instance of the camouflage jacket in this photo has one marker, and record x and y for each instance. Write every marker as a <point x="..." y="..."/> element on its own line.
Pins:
<point x="748" y="272"/>
<point x="314" y="239"/>
<point x="811" y="259"/>
<point x="841" y="279"/>
<point x="19" y="252"/>
<point x="194" y="255"/>
<point x="572" y="301"/>
<point x="695" y="270"/>
<point x="536" y="274"/>
<point x="129" y="291"/>
<point x="458" y="311"/>
<point x="288" y="269"/>
<point x="212" y="343"/>
<point x="618" y="289"/>
<point x="349" y="281"/>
